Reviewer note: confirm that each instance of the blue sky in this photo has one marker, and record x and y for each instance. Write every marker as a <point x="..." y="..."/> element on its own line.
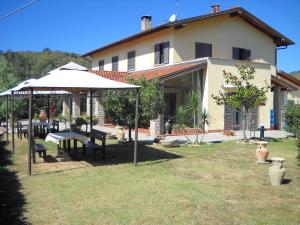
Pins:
<point x="83" y="25"/>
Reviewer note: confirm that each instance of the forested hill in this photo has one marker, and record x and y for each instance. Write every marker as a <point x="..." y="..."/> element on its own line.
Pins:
<point x="296" y="74"/>
<point x="29" y="64"/>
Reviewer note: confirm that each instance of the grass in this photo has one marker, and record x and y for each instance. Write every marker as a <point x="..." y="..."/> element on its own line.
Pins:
<point x="209" y="184"/>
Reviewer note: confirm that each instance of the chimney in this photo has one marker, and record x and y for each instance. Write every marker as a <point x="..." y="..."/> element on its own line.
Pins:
<point x="215" y="8"/>
<point x="146" y="22"/>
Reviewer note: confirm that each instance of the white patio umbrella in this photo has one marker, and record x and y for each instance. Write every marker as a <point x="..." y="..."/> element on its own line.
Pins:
<point x="72" y="80"/>
<point x="76" y="80"/>
<point x="16" y="91"/>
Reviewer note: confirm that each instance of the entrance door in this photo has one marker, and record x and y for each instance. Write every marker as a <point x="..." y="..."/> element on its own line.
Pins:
<point x="170" y="105"/>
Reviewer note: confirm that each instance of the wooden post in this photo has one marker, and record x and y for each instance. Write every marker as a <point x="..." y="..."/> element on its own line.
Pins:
<point x="6" y="118"/>
<point x="70" y="111"/>
<point x="30" y="132"/>
<point x="48" y="107"/>
<point x="12" y="123"/>
<point x="91" y="112"/>
<point x="136" y="126"/>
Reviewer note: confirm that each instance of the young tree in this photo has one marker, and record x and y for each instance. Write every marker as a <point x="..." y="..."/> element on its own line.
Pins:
<point x="246" y="96"/>
<point x="193" y="105"/>
<point x="291" y="117"/>
<point x="120" y="104"/>
<point x="203" y="121"/>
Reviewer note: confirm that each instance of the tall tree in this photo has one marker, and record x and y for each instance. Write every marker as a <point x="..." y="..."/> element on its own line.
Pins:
<point x="246" y="96"/>
<point x="120" y="104"/>
<point x="7" y="79"/>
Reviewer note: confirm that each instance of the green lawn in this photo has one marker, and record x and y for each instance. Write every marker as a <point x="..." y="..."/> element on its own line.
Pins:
<point x="210" y="184"/>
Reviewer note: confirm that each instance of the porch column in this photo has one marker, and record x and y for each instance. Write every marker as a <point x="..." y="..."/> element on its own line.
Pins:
<point x="66" y="108"/>
<point x="99" y="109"/>
<point x="157" y="126"/>
<point x="88" y="105"/>
<point x="75" y="104"/>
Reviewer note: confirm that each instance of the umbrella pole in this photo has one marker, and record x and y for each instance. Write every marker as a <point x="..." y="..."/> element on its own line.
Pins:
<point x="29" y="132"/>
<point x="70" y="113"/>
<point x="136" y="126"/>
<point x="91" y="111"/>
<point x="6" y="118"/>
<point x="12" y="123"/>
<point x="48" y="107"/>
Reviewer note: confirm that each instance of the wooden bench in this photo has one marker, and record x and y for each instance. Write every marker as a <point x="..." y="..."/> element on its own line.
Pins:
<point x="39" y="148"/>
<point x="92" y="145"/>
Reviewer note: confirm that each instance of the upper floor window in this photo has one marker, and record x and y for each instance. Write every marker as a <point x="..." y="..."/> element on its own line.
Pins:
<point x="241" y="54"/>
<point x="203" y="50"/>
<point x="101" y="64"/>
<point x="161" y="53"/>
<point x="114" y="63"/>
<point x="131" y="61"/>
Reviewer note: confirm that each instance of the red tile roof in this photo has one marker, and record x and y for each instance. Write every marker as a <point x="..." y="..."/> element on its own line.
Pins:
<point x="158" y="72"/>
<point x="112" y="75"/>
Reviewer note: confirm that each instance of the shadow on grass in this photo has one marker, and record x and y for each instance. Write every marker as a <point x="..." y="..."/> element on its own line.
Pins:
<point x="121" y="153"/>
<point x="12" y="201"/>
<point x="286" y="181"/>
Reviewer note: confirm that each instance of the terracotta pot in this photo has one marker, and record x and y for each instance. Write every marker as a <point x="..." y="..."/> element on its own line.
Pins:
<point x="276" y="171"/>
<point x="120" y="133"/>
<point x="262" y="152"/>
<point x="43" y="116"/>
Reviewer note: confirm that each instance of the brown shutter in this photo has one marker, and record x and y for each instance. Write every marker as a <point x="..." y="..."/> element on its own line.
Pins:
<point x="166" y="52"/>
<point x="131" y="60"/>
<point x="235" y="53"/>
<point x="253" y="118"/>
<point x="228" y="118"/>
<point x="156" y="54"/>
<point x="101" y="64"/>
<point x="247" y="54"/>
<point x="203" y="50"/>
<point x="114" y="61"/>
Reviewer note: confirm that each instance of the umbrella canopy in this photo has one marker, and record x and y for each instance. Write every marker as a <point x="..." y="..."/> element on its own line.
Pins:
<point x="23" y="84"/>
<point x="72" y="80"/>
<point x="70" y="66"/>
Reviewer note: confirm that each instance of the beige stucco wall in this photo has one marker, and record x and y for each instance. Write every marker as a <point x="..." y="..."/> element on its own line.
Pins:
<point x="144" y="48"/>
<point x="223" y="33"/>
<point x="215" y="81"/>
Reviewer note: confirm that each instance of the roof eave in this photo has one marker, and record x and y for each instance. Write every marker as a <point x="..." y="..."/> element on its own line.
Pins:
<point x="279" y="39"/>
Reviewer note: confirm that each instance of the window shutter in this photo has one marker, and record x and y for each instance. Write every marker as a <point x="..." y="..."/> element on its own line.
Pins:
<point x="131" y="60"/>
<point x="253" y="118"/>
<point x="207" y="50"/>
<point x="203" y="50"/>
<point x="101" y="65"/>
<point x="197" y="50"/>
<point x="114" y="61"/>
<point x="166" y="52"/>
<point x="228" y="118"/>
<point x="156" y="54"/>
<point x="247" y="54"/>
<point x="235" y="53"/>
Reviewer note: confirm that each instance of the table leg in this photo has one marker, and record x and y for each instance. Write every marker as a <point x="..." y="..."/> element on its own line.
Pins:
<point x="69" y="145"/>
<point x="83" y="149"/>
<point x="64" y="145"/>
<point x="75" y="144"/>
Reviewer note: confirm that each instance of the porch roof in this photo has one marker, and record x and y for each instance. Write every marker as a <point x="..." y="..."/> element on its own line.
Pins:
<point x="162" y="72"/>
<point x="282" y="83"/>
<point x="281" y="74"/>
